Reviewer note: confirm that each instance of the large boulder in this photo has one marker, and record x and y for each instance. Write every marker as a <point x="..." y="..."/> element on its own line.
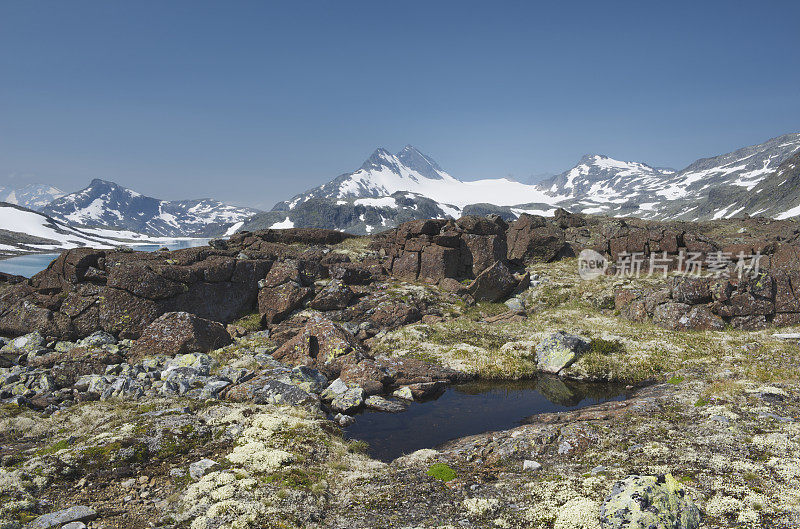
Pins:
<point x="669" y="315"/>
<point x="336" y="295"/>
<point x="276" y="303"/>
<point x="531" y="238"/>
<point x="493" y="284"/>
<point x="322" y="344"/>
<point x="177" y="333"/>
<point x="649" y="502"/>
<point x="559" y="351"/>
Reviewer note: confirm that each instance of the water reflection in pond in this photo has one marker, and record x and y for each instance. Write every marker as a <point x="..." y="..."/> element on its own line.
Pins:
<point x="473" y="408"/>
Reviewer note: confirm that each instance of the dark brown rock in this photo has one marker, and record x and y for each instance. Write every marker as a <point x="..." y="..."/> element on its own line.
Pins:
<point x="690" y="290"/>
<point x="700" y="318"/>
<point x="367" y="374"/>
<point x="336" y="295"/>
<point x="437" y="263"/>
<point x="669" y="314"/>
<point x="393" y="315"/>
<point x="493" y="284"/>
<point x="529" y="240"/>
<point x="180" y="332"/>
<point x="406" y="266"/>
<point x="278" y="302"/>
<point x="324" y="345"/>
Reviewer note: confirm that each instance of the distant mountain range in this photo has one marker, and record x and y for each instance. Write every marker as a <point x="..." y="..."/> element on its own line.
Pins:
<point x="388" y="189"/>
<point x="31" y="196"/>
<point x="108" y="204"/>
<point x="391" y="188"/>
<point x="710" y="188"/>
<point x="23" y="230"/>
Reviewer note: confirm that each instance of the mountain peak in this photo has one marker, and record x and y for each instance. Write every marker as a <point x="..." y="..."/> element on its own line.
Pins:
<point x="380" y="157"/>
<point x="412" y="158"/>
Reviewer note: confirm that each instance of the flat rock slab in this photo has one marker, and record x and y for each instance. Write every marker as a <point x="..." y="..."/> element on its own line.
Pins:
<point x="79" y="513"/>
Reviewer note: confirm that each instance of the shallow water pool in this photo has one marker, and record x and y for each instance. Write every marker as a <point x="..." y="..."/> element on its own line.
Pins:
<point x="472" y="408"/>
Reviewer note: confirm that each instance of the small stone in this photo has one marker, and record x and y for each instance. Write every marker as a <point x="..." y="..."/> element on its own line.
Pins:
<point x="531" y="465"/>
<point x="74" y="525"/>
<point x="199" y="468"/>
<point x="177" y="472"/>
<point x="404" y="393"/>
<point x="344" y="420"/>
<point x="349" y="401"/>
<point x="598" y="469"/>
<point x="98" y="338"/>
<point x="720" y="419"/>
<point x="58" y="518"/>
<point x="376" y="402"/>
<point x="336" y="388"/>
<point x="515" y="304"/>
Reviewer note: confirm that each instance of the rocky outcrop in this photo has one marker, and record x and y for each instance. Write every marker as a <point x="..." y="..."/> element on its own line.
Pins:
<point x="432" y="250"/>
<point x="710" y="303"/>
<point x="494" y="284"/>
<point x="533" y="238"/>
<point x="324" y="345"/>
<point x="122" y="292"/>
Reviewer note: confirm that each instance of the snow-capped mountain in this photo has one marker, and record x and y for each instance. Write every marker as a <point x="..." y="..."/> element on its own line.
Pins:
<point x="111" y="205"/>
<point x="712" y="188"/>
<point x="32" y="196"/>
<point x="400" y="185"/>
<point x="23" y="230"/>
<point x="599" y="184"/>
<point x="709" y="188"/>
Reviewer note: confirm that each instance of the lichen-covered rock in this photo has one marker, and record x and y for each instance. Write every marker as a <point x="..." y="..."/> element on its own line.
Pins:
<point x="58" y="518"/>
<point x="559" y="351"/>
<point x="349" y="401"/>
<point x="649" y="502"/>
<point x="336" y="295"/>
<point x="322" y="344"/>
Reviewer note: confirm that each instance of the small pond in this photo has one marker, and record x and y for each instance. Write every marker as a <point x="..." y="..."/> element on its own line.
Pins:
<point x="28" y="265"/>
<point x="473" y="408"/>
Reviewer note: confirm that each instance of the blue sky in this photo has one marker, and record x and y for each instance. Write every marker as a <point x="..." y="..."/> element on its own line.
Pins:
<point x="252" y="102"/>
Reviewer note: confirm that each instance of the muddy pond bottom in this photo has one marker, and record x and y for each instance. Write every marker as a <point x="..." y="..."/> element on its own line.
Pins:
<point x="473" y="408"/>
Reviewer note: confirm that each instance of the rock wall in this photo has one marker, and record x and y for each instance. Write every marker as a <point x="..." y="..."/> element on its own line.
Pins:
<point x="85" y="290"/>
<point x="770" y="298"/>
<point x="274" y="272"/>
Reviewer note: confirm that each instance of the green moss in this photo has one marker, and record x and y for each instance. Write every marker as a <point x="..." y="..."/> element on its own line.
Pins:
<point x="606" y="347"/>
<point x="295" y="478"/>
<point x="676" y="379"/>
<point x="52" y="449"/>
<point x="442" y="472"/>
<point x="250" y="322"/>
<point x="468" y="332"/>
